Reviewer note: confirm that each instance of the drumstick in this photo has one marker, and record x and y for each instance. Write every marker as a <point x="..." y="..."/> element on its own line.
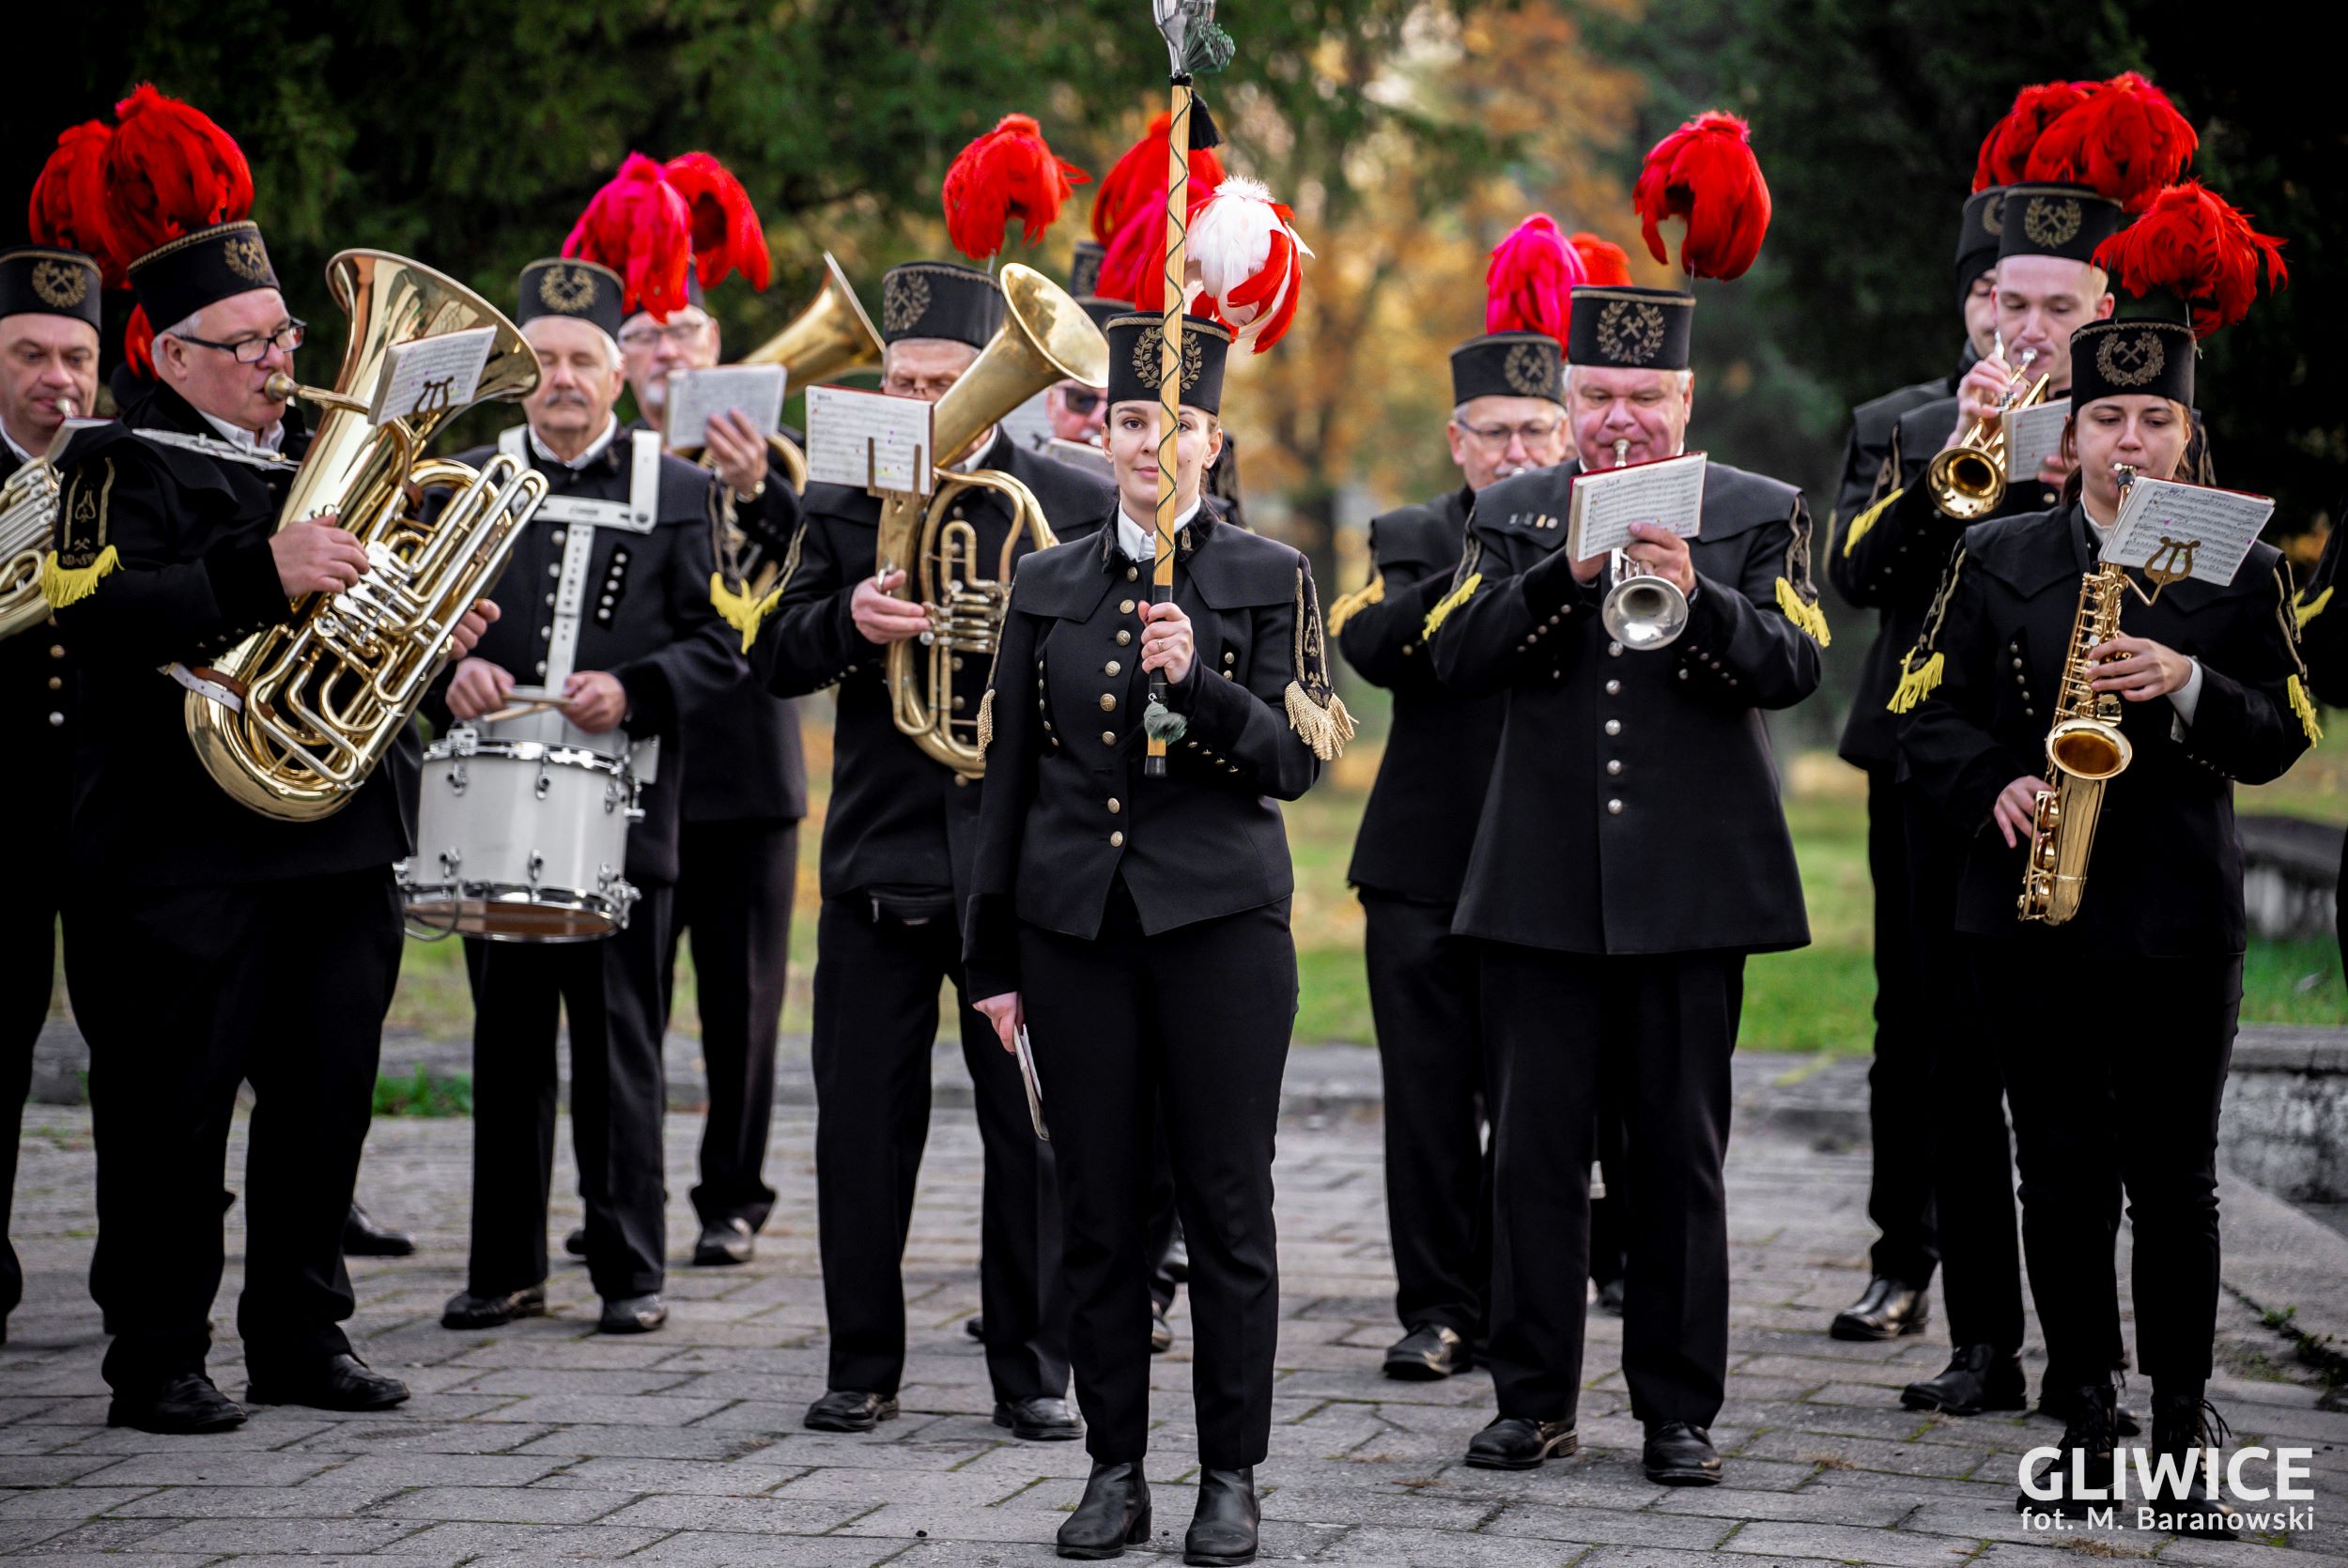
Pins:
<point x="521" y="709"/>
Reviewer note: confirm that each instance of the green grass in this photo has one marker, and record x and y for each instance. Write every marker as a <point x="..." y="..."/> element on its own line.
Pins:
<point x="425" y="1094"/>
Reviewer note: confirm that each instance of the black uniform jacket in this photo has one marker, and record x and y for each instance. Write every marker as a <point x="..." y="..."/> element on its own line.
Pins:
<point x="2166" y="877"/>
<point x="1633" y="807"/>
<point x="2323" y="612"/>
<point x="180" y="539"/>
<point x="747" y="764"/>
<point x="654" y="627"/>
<point x="38" y="679"/>
<point x="1420" y="821"/>
<point x="898" y="826"/>
<point x="1870" y="439"/>
<point x="1068" y="812"/>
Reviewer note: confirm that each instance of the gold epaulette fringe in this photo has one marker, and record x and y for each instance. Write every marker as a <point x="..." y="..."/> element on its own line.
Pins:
<point x="739" y="611"/>
<point x="62" y="585"/>
<point x="1866" y="520"/>
<point x="1918" y="683"/>
<point x="1803" y="613"/>
<point x="1451" y="601"/>
<point x="986" y="721"/>
<point x="1373" y="592"/>
<point x="2303" y="613"/>
<point x="1326" y="730"/>
<point x="2305" y="707"/>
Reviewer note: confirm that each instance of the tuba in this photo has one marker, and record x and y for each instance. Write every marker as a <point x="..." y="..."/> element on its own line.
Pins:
<point x="297" y="716"/>
<point x="1045" y="337"/>
<point x="1968" y="481"/>
<point x="831" y="337"/>
<point x="28" y="512"/>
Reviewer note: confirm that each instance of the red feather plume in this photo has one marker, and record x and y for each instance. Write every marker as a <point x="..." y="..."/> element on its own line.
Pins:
<point x="727" y="235"/>
<point x="2004" y="156"/>
<point x="1704" y="173"/>
<point x="1602" y="260"/>
<point x="1137" y="179"/>
<point x="1528" y="287"/>
<point x="2123" y="138"/>
<point x="67" y="207"/>
<point x="1010" y="173"/>
<point x="169" y="170"/>
<point x="2195" y="244"/>
<point x="1133" y="267"/>
<point x="640" y="226"/>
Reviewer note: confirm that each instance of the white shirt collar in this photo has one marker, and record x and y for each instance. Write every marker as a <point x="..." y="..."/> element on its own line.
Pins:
<point x="1139" y="540"/>
<point x="242" y="440"/>
<point x="595" y="448"/>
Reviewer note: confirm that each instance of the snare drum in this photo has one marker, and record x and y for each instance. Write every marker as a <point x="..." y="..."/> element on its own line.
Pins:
<point x="521" y="838"/>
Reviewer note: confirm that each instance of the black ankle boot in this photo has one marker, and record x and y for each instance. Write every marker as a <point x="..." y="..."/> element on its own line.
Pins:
<point x="1113" y="1514"/>
<point x="1978" y="1378"/>
<point x="2085" y="1463"/>
<point x="1223" y="1531"/>
<point x="2185" y="1424"/>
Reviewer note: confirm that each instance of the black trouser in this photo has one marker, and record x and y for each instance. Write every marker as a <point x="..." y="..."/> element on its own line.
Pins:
<point x="184" y="993"/>
<point x="1423" y="1001"/>
<point x="876" y="995"/>
<point x="1901" y="1112"/>
<point x="1610" y="1216"/>
<point x="735" y="882"/>
<point x="1166" y="1224"/>
<point x="609" y="990"/>
<point x="2115" y="1071"/>
<point x="1190" y="1026"/>
<point x="28" y="968"/>
<point x="1574" y="1035"/>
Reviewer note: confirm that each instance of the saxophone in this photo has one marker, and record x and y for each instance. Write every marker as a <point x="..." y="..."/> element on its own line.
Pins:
<point x="2085" y="750"/>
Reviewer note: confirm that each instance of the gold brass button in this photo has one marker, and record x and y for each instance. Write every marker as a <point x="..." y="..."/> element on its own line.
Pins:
<point x="1124" y="637"/>
<point x="1108" y="737"/>
<point x="1108" y="702"/>
<point x="1116" y="840"/>
<point x="1115" y="806"/>
<point x="1132" y="572"/>
<point x="1126" y="608"/>
<point x="56" y="650"/>
<point x="57" y="682"/>
<point x="1111" y="667"/>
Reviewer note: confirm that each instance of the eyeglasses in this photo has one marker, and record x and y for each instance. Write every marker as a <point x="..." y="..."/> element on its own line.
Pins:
<point x="1497" y="435"/>
<point x="1079" y="402"/>
<point x="253" y="351"/>
<point x="676" y="334"/>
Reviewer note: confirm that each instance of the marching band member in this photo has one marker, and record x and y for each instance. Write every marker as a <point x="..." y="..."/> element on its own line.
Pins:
<point x="649" y="649"/>
<point x="189" y="931"/>
<point x="1139" y="927"/>
<point x="899" y="832"/>
<point x="1507" y="418"/>
<point x="2212" y="693"/>
<point x="48" y="374"/>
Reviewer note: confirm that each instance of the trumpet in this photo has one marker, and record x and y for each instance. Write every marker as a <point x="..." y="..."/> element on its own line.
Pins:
<point x="1968" y="481"/>
<point x="1641" y="610"/>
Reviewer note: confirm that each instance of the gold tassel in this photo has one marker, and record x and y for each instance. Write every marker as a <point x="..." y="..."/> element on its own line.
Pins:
<point x="1866" y="520"/>
<point x="2306" y="612"/>
<point x="1451" y="601"/>
<point x="1917" y="684"/>
<point x="986" y="721"/>
<point x="1374" y="592"/>
<point x="1326" y="730"/>
<point x="2301" y="705"/>
<point x="62" y="585"/>
<point x="1809" y="617"/>
<point x="738" y="610"/>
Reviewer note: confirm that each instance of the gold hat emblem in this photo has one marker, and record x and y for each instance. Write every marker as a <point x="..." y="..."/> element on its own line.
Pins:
<point x="568" y="289"/>
<point x="2051" y="220"/>
<point x="905" y="300"/>
<point x="1993" y="213"/>
<point x="1151" y="347"/>
<point x="246" y="258"/>
<point x="2130" y="359"/>
<point x="1531" y="370"/>
<point x="60" y="285"/>
<point x="1629" y="333"/>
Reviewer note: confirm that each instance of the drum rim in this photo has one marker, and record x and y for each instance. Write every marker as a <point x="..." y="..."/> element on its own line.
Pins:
<point x="462" y="892"/>
<point x="448" y="748"/>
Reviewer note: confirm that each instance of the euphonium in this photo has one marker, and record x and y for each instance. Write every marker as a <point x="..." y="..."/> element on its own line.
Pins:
<point x="1968" y="481"/>
<point x="831" y="337"/>
<point x="321" y="697"/>
<point x="28" y="512"/>
<point x="2085" y="750"/>
<point x="1045" y="337"/>
<point x="1641" y="610"/>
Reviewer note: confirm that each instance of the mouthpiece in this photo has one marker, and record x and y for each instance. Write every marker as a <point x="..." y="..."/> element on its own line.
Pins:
<point x="282" y="387"/>
<point x="1622" y="452"/>
<point x="2023" y="362"/>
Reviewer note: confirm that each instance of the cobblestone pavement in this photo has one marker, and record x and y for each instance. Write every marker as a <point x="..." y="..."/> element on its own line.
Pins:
<point x="546" y="1442"/>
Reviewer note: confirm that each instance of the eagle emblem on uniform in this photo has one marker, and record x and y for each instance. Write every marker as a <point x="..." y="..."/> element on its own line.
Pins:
<point x="2130" y="359"/>
<point x="568" y="289"/>
<point x="1150" y="349"/>
<point x="60" y="285"/>
<point x="1529" y="370"/>
<point x="246" y="258"/>
<point x="905" y="299"/>
<point x="1631" y="333"/>
<point x="2051" y="220"/>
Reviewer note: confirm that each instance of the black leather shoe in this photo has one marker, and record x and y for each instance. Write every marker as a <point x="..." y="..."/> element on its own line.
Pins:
<point x="2182" y="1425"/>
<point x="1161" y="1334"/>
<point x="632" y="1315"/>
<point x="185" y="1402"/>
<point x="1223" y="1530"/>
<point x="727" y="1241"/>
<point x="1113" y="1514"/>
<point x="1978" y="1378"/>
<point x="975" y="1326"/>
<point x="1041" y="1419"/>
<point x="2054" y="1403"/>
<point x="1887" y="1311"/>
<point x="1678" y="1454"/>
<point x="850" y="1410"/>
<point x="2084" y="1460"/>
<point x="337" y="1383"/>
<point x="1610" y="1297"/>
<point x="1519" y="1443"/>
<point x="468" y="1311"/>
<point x="363" y="1238"/>
<point x="1427" y="1353"/>
<point x="576" y="1243"/>
<point x="1178" y="1257"/>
